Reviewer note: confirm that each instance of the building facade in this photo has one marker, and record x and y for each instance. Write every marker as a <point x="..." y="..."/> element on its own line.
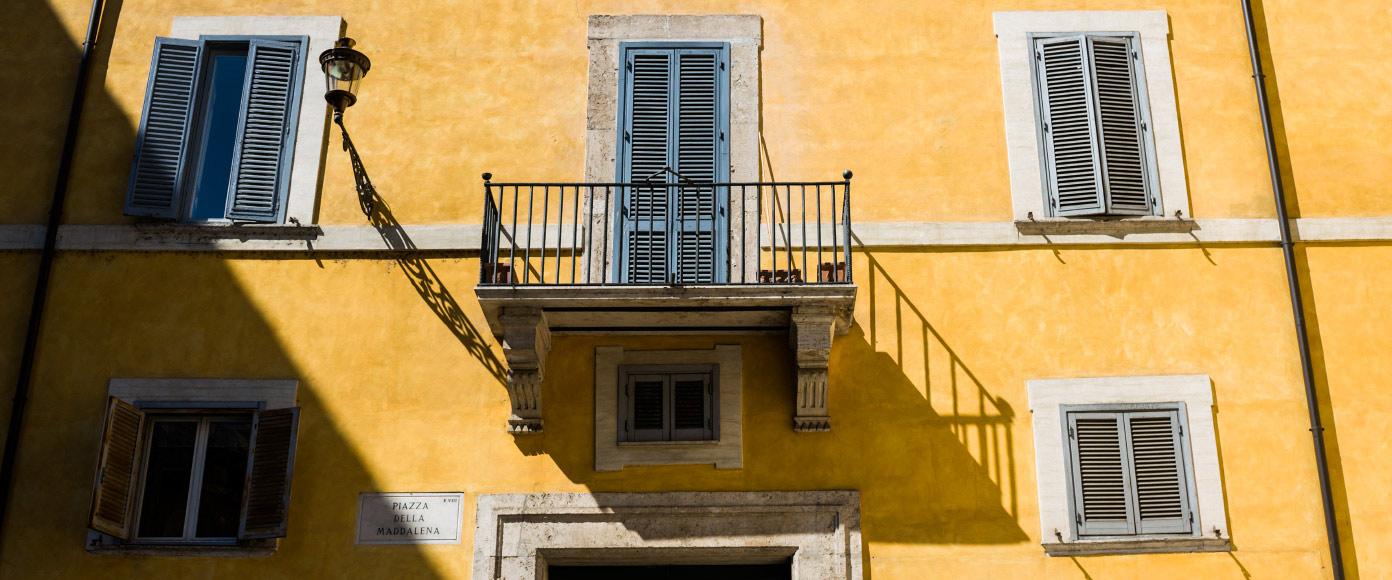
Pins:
<point x="839" y="290"/>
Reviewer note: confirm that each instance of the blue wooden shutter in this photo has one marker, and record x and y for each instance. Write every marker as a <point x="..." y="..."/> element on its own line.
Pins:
<point x="646" y="146"/>
<point x="675" y="108"/>
<point x="700" y="138"/>
<point x="1158" y="469"/>
<point x="1127" y="185"/>
<point x="265" y="133"/>
<point x="1101" y="481"/>
<point x="161" y="145"/>
<point x="270" y="466"/>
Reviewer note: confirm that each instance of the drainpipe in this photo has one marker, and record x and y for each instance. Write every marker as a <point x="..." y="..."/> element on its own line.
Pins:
<point x="36" y="309"/>
<point x="1331" y="526"/>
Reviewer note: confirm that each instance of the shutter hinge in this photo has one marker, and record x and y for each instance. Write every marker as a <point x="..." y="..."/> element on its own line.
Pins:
<point x="1070" y="432"/>
<point x="1038" y="55"/>
<point x="1046" y="127"/>
<point x="1181" y="430"/>
<point x="1078" y="519"/>
<point x="1144" y="126"/>
<point x="1135" y="54"/>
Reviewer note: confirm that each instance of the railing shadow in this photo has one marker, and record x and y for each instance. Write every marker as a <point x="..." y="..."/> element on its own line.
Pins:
<point x="421" y="275"/>
<point x="981" y="421"/>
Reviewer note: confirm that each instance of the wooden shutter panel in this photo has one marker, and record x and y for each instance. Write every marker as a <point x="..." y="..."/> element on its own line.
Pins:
<point x="113" y="496"/>
<point x="271" y="461"/>
<point x="647" y="404"/>
<point x="700" y="136"/>
<point x="262" y="154"/>
<point x="161" y="145"/>
<point x="1162" y="498"/>
<point x="1126" y="179"/>
<point x="1100" y="480"/>
<point x="691" y="407"/>
<point x="1071" y="155"/>
<point x="645" y="152"/>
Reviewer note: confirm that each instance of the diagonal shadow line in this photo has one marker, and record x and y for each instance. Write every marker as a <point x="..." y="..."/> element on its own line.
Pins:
<point x="422" y="276"/>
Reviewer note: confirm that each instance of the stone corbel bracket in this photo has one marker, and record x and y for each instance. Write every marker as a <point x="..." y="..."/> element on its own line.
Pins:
<point x="810" y="333"/>
<point x="526" y="341"/>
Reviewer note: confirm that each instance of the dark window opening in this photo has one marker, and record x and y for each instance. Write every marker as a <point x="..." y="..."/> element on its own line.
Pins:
<point x="745" y="572"/>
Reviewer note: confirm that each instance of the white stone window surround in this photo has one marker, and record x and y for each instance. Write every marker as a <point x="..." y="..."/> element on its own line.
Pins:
<point x="268" y="394"/>
<point x="725" y="453"/>
<point x="745" y="35"/>
<point x="1021" y="126"/>
<point x="1047" y="397"/>
<point x="312" y="133"/>
<point x="518" y="535"/>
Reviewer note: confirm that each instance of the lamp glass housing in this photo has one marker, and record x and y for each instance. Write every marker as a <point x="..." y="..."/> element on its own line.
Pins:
<point x="343" y="68"/>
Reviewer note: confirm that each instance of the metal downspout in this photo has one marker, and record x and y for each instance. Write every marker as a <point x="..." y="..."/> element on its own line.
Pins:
<point x="1331" y="525"/>
<point x="36" y="310"/>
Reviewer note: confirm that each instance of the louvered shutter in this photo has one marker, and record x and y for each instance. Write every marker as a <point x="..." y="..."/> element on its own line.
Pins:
<point x="646" y="139"/>
<point x="113" y="496"/>
<point x="1095" y="143"/>
<point x="1126" y="181"/>
<point x="262" y="153"/>
<point x="700" y="136"/>
<point x="675" y="114"/>
<point x="1100" y="479"/>
<point x="1162" y="499"/>
<point x="162" y="143"/>
<point x="271" y="462"/>
<point x="691" y="407"/>
<point x="647" y="404"/>
<point x="1070" y="149"/>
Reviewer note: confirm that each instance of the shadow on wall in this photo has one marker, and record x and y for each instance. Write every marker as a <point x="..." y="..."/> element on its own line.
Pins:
<point x="422" y="276"/>
<point x="111" y="315"/>
<point x="927" y="474"/>
<point x="1338" y="487"/>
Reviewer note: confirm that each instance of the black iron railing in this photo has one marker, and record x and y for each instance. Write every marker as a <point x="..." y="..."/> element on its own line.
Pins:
<point x="666" y="230"/>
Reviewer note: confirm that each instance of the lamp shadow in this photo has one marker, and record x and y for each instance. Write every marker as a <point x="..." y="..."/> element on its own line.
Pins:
<point x="422" y="276"/>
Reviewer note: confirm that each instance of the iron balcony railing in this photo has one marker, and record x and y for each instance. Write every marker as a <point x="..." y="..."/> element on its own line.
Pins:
<point x="666" y="230"/>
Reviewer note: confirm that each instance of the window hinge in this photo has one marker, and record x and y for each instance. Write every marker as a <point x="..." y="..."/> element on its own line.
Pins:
<point x="1181" y="430"/>
<point x="1046" y="127"/>
<point x="1078" y="519"/>
<point x="1144" y="127"/>
<point x="1070" y="432"/>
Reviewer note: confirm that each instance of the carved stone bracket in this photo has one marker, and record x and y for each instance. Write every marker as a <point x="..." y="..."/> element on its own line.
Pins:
<point x="811" y="333"/>
<point x="526" y="341"/>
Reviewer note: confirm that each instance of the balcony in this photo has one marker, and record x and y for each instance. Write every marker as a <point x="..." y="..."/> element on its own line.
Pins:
<point x="666" y="255"/>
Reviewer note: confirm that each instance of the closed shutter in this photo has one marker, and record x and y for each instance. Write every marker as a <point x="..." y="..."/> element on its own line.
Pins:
<point x="699" y="139"/>
<point x="647" y="404"/>
<point x="261" y="158"/>
<point x="161" y="145"/>
<point x="1162" y="499"/>
<point x="675" y="114"/>
<point x="646" y="139"/>
<point x="1096" y="153"/>
<point x="1100" y="480"/>
<point x="113" y="495"/>
<point x="266" y="501"/>
<point x="691" y="407"/>
<point x="1129" y="474"/>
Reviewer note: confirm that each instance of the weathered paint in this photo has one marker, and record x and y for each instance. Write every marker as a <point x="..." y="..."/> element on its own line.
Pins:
<point x="398" y="373"/>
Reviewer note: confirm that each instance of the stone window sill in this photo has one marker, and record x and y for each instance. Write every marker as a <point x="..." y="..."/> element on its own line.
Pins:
<point x="225" y="230"/>
<point x="251" y="549"/>
<point x="1118" y="227"/>
<point x="1154" y="545"/>
<point x="711" y="442"/>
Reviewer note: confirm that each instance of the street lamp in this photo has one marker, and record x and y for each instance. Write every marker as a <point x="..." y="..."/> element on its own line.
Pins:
<point x="343" y="68"/>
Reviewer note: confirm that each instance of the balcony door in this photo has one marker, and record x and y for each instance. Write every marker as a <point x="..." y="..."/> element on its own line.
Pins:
<point x="672" y="226"/>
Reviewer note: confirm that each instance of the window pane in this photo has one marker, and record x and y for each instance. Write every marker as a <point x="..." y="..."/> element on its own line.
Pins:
<point x="221" y="110"/>
<point x="167" y="479"/>
<point x="224" y="476"/>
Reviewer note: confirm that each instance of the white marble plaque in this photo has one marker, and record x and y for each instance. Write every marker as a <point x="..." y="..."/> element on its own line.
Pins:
<point x="409" y="518"/>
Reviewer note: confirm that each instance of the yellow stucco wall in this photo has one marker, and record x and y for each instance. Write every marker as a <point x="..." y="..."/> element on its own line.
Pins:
<point x="931" y="417"/>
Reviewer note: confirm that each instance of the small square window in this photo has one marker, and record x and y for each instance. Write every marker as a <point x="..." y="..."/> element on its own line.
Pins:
<point x="1129" y="471"/>
<point x="668" y="403"/>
